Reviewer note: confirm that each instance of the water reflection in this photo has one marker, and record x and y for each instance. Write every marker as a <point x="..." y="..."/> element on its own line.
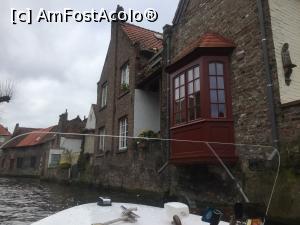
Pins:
<point x="23" y="201"/>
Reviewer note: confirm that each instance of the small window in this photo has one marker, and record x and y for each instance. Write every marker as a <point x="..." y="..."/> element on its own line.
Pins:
<point x="125" y="77"/>
<point x="103" y="95"/>
<point x="217" y="90"/>
<point x="55" y="159"/>
<point x="123" y="133"/>
<point x="179" y="99"/>
<point x="19" y="163"/>
<point x="102" y="139"/>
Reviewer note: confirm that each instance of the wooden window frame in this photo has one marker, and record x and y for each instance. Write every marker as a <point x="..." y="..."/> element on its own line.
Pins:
<point x="205" y="104"/>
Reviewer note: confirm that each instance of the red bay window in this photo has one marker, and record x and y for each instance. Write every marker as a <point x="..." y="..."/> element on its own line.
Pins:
<point x="201" y="107"/>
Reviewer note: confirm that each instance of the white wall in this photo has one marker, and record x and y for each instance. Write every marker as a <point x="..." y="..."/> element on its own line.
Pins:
<point x="285" y="19"/>
<point x="91" y="121"/>
<point x="146" y="111"/>
<point x="73" y="145"/>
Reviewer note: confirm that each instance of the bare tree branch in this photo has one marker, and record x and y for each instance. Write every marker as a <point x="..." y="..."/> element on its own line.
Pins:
<point x="6" y="91"/>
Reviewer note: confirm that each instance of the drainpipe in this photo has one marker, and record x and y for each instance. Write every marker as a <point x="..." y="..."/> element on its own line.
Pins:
<point x="272" y="115"/>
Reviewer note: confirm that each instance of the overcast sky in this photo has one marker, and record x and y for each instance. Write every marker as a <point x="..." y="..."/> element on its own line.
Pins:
<point x="57" y="66"/>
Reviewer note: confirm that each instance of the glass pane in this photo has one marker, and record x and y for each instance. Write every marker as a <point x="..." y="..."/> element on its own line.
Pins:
<point x="177" y="118"/>
<point x="212" y="69"/>
<point x="191" y="113"/>
<point x="190" y="75"/>
<point x="191" y="88"/>
<point x="176" y="82"/>
<point x="213" y="82"/>
<point x="220" y="82"/>
<point x="182" y="90"/>
<point x="191" y="101"/>
<point x="213" y="97"/>
<point x="197" y="85"/>
<point x="176" y="93"/>
<point x="220" y="70"/>
<point x="197" y="104"/>
<point x="196" y="72"/>
<point x="182" y="105"/>
<point x="182" y="79"/>
<point x="221" y="96"/>
<point x="222" y="110"/>
<point x="214" y="110"/>
<point x="177" y="106"/>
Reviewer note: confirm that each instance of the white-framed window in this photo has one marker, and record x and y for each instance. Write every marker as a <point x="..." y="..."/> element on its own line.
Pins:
<point x="54" y="160"/>
<point x="123" y="133"/>
<point x="125" y="75"/>
<point x="102" y="139"/>
<point x="104" y="95"/>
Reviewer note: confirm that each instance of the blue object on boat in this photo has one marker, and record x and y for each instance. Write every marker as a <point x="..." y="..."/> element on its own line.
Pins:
<point x="207" y="214"/>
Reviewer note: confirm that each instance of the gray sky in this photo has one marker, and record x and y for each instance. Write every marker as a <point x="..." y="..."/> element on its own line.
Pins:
<point x="56" y="66"/>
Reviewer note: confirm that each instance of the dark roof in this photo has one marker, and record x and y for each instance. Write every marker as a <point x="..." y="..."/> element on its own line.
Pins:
<point x="4" y="131"/>
<point x="148" y="39"/>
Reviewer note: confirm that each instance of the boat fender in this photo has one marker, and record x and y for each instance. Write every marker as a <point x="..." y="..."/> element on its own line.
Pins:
<point x="176" y="220"/>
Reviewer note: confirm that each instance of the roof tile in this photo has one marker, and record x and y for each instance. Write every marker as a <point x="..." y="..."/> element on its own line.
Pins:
<point x="148" y="39"/>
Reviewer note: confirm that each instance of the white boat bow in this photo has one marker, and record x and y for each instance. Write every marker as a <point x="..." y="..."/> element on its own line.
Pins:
<point x="92" y="213"/>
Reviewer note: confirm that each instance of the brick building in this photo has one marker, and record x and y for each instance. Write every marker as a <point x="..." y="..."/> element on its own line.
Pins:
<point x="126" y="106"/>
<point x="26" y="155"/>
<point x="229" y="78"/>
<point x="225" y="74"/>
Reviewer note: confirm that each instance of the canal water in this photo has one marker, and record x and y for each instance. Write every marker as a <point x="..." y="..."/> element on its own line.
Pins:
<point x="23" y="201"/>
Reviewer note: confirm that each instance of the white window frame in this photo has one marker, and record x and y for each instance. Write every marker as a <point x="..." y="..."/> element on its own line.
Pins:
<point x="125" y="74"/>
<point x="101" y="146"/>
<point x="104" y="95"/>
<point x="123" y="133"/>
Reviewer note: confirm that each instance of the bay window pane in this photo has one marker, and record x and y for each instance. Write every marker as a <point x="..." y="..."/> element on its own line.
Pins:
<point x="221" y="96"/>
<point x="197" y="85"/>
<point x="182" y="92"/>
<point x="212" y="69"/>
<point x="213" y="82"/>
<point x="213" y="96"/>
<point x="222" y="110"/>
<point x="176" y="82"/>
<point x="196" y="72"/>
<point x="190" y="75"/>
<point x="220" y="82"/>
<point x="190" y="88"/>
<point x="176" y="94"/>
<point x="182" y="79"/>
<point x="220" y="70"/>
<point x="214" y="110"/>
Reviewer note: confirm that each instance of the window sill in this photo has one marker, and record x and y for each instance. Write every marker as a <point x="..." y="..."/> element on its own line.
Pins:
<point x="123" y="93"/>
<point x="200" y="121"/>
<point x="100" y="155"/>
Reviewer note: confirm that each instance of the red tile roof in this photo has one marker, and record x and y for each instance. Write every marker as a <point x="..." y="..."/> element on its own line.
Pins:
<point x="34" y="138"/>
<point x="148" y="39"/>
<point x="4" y="131"/>
<point x="208" y="40"/>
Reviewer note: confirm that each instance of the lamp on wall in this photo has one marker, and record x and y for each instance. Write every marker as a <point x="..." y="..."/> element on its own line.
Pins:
<point x="287" y="63"/>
